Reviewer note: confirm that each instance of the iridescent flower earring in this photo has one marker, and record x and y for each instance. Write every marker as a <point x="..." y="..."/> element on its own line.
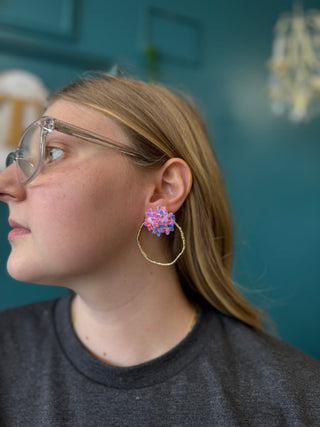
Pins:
<point x="159" y="221"/>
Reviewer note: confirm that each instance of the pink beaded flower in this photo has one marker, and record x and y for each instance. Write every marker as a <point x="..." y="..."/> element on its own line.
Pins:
<point x="159" y="220"/>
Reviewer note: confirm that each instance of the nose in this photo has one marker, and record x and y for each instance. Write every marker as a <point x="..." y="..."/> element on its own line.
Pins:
<point x="10" y="188"/>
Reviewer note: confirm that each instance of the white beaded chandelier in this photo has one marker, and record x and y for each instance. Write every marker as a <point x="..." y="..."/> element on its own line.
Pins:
<point x="294" y="86"/>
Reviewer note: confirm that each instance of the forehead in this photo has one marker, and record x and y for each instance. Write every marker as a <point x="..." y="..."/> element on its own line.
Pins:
<point x="87" y="118"/>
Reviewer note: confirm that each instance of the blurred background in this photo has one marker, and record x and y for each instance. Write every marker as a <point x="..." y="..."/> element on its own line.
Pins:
<point x="219" y="52"/>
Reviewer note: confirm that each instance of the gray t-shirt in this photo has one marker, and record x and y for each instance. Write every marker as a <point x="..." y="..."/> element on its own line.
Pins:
<point x="223" y="373"/>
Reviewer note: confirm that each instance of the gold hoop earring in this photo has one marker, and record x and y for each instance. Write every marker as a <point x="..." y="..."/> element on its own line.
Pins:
<point x="160" y="221"/>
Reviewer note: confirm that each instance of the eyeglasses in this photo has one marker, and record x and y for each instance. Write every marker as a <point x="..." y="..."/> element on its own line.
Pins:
<point x="30" y="156"/>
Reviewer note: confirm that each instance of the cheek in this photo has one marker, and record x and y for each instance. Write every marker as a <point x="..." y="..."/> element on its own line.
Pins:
<point x="77" y="218"/>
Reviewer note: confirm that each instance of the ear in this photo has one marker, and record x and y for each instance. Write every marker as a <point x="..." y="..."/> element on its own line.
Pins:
<point x="172" y="184"/>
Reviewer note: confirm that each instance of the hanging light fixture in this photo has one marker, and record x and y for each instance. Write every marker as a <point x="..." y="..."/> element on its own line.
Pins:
<point x="294" y="86"/>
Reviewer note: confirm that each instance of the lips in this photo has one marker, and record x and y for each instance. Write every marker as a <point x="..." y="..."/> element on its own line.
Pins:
<point x="17" y="230"/>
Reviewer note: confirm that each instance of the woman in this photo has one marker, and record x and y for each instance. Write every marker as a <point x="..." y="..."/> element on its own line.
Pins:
<point x="154" y="332"/>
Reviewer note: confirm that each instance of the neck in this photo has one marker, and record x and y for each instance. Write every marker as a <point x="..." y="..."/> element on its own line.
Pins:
<point x="126" y="323"/>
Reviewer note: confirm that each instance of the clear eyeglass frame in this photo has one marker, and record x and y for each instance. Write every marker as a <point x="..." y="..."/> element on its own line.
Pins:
<point x="30" y="153"/>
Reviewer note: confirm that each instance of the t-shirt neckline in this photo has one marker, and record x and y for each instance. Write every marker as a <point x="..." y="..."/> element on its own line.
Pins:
<point x="144" y="375"/>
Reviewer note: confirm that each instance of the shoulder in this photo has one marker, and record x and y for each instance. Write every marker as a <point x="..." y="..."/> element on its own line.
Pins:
<point x="25" y="326"/>
<point x="246" y="346"/>
<point x="264" y="349"/>
<point x="30" y="312"/>
<point x="258" y="369"/>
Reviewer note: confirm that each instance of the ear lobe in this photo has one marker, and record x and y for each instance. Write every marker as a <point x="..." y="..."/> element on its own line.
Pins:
<point x="173" y="184"/>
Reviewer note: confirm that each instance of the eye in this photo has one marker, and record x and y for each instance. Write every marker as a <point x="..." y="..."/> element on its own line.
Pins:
<point x="53" y="153"/>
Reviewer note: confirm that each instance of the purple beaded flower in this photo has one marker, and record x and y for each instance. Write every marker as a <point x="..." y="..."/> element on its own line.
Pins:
<point x="159" y="221"/>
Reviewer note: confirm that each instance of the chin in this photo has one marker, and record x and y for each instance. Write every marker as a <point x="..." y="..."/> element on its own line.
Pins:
<point x="25" y="272"/>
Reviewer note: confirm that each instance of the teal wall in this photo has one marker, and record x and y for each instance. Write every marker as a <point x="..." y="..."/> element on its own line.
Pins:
<point x="219" y="55"/>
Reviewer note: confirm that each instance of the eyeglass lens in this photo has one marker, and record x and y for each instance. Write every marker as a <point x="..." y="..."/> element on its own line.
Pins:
<point x="28" y="158"/>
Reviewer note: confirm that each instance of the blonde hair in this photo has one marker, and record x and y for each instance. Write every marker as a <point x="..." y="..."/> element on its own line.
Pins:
<point x="164" y="125"/>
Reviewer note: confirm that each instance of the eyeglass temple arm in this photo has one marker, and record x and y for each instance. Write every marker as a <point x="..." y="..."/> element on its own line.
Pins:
<point x="96" y="139"/>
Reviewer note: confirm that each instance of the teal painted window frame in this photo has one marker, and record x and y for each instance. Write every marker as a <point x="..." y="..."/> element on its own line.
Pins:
<point x="64" y="27"/>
